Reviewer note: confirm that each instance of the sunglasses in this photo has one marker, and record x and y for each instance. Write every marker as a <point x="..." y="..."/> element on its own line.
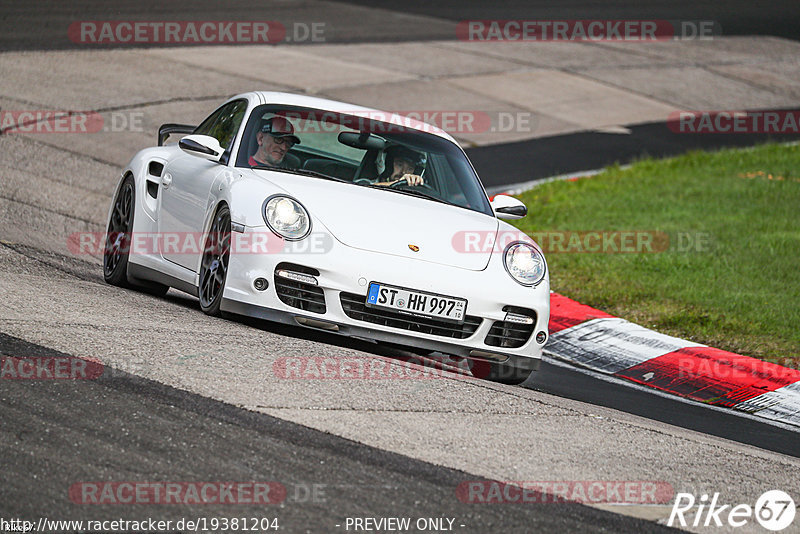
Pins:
<point x="283" y="141"/>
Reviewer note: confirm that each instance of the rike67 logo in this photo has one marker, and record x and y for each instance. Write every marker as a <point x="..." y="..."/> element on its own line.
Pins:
<point x="774" y="510"/>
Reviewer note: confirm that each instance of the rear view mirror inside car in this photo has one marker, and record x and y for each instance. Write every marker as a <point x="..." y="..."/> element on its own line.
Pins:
<point x="362" y="140"/>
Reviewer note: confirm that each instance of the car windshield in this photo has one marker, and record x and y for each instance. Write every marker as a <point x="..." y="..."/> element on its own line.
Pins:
<point x="370" y="150"/>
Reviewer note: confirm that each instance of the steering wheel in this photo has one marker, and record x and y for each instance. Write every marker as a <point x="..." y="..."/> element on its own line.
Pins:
<point x="402" y="184"/>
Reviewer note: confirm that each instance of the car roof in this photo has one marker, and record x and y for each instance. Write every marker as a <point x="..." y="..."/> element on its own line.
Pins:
<point x="290" y="99"/>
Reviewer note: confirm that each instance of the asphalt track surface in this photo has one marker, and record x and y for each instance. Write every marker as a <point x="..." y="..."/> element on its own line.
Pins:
<point x="509" y="163"/>
<point x="60" y="433"/>
<point x="41" y="24"/>
<point x="125" y="427"/>
<point x="570" y="383"/>
<point x="736" y="17"/>
<point x="128" y="427"/>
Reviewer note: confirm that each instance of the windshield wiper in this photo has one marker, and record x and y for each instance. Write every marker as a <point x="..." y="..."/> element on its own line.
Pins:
<point x="301" y="172"/>
<point x="414" y="193"/>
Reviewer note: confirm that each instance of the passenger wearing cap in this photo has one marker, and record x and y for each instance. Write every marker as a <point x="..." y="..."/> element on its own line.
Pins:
<point x="275" y="137"/>
<point x="401" y="164"/>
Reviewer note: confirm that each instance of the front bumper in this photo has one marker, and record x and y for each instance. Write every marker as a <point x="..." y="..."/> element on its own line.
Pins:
<point x="344" y="269"/>
<point x="371" y="334"/>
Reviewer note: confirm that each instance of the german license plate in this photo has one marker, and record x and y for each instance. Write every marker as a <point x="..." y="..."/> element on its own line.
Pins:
<point x="416" y="302"/>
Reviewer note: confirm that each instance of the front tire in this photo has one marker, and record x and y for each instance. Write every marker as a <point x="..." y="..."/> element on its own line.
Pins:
<point x="214" y="264"/>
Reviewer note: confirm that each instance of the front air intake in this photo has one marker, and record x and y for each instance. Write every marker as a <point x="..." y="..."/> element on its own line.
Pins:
<point x="296" y="286"/>
<point x="514" y="331"/>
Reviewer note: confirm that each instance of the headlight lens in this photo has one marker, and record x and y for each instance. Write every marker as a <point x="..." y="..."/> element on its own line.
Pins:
<point x="287" y="217"/>
<point x="524" y="263"/>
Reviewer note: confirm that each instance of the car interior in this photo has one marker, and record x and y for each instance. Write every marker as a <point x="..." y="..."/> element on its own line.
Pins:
<point x="367" y="169"/>
<point x="358" y="155"/>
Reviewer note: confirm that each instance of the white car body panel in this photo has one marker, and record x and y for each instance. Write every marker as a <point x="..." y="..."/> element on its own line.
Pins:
<point x="183" y="203"/>
<point x="386" y="222"/>
<point x="367" y="231"/>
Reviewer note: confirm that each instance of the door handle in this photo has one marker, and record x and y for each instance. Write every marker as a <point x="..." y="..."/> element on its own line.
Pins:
<point x="166" y="180"/>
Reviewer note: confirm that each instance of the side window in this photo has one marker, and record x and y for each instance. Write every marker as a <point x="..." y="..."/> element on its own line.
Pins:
<point x="224" y="123"/>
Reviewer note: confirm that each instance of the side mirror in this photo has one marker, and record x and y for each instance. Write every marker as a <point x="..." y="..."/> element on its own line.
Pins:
<point x="506" y="207"/>
<point x="203" y="146"/>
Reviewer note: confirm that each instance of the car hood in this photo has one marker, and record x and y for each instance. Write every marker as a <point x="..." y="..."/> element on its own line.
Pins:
<point x="389" y="222"/>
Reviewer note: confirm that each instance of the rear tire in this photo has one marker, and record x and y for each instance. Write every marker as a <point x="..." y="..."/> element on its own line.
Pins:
<point x="118" y="235"/>
<point x="118" y="242"/>
<point x="214" y="264"/>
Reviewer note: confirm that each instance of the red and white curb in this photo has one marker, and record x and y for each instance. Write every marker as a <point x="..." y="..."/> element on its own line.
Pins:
<point x="590" y="338"/>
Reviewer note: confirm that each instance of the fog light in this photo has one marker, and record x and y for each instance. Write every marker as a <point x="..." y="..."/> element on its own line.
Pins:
<point x="297" y="277"/>
<point x="518" y="318"/>
<point x="541" y="337"/>
<point x="260" y="284"/>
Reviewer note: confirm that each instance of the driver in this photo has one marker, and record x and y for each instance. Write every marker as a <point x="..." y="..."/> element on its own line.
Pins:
<point x="401" y="164"/>
<point x="275" y="137"/>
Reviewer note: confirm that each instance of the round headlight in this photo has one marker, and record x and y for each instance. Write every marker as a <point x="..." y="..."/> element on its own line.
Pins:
<point x="287" y="217"/>
<point x="524" y="263"/>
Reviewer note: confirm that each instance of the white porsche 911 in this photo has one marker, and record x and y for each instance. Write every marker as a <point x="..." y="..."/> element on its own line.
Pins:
<point x="334" y="217"/>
